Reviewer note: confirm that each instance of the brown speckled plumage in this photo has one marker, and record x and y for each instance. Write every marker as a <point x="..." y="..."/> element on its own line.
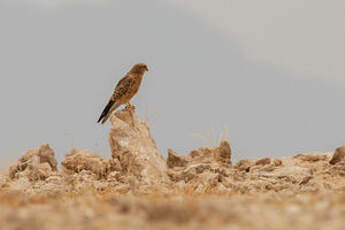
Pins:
<point x="125" y="89"/>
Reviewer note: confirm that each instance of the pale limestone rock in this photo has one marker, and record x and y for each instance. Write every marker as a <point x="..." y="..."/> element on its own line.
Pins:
<point x="311" y="157"/>
<point x="21" y="184"/>
<point x="243" y="165"/>
<point x="85" y="160"/>
<point x="132" y="145"/>
<point x="189" y="173"/>
<point x="36" y="164"/>
<point x="198" y="164"/>
<point x="3" y="181"/>
<point x="44" y="170"/>
<point x="175" y="159"/>
<point x="338" y="155"/>
<point x="337" y="169"/>
<point x="291" y="174"/>
<point x="220" y="154"/>
<point x="263" y="161"/>
<point x="305" y="180"/>
<point x="55" y="179"/>
<point x="277" y="162"/>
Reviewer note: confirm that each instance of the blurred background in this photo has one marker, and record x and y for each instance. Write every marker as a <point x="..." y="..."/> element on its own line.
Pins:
<point x="269" y="75"/>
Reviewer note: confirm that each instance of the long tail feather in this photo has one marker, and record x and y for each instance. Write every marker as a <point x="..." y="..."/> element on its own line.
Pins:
<point x="106" y="111"/>
<point x="105" y="118"/>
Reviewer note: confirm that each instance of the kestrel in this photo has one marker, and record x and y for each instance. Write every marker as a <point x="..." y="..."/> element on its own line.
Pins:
<point x="125" y="89"/>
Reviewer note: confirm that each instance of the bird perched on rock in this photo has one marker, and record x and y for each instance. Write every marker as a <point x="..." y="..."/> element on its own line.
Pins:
<point x="125" y="89"/>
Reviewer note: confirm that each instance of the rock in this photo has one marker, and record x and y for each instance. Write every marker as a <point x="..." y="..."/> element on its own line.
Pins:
<point x="85" y="160"/>
<point x="44" y="170"/>
<point x="305" y="180"/>
<point x="311" y="157"/>
<point x="243" y="165"/>
<point x="338" y="155"/>
<point x="223" y="152"/>
<point x="3" y="181"/>
<point x="188" y="173"/>
<point x="338" y="169"/>
<point x="175" y="159"/>
<point x="277" y="162"/>
<point x="263" y="161"/>
<point x="36" y="164"/>
<point x="293" y="172"/>
<point x="21" y="184"/>
<point x="220" y="154"/>
<point x="55" y="179"/>
<point x="132" y="145"/>
<point x="203" y="162"/>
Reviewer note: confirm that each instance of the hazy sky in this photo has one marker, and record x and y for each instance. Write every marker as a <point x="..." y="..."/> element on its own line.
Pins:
<point x="268" y="73"/>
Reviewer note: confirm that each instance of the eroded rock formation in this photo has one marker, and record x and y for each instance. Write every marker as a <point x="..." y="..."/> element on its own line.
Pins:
<point x="200" y="166"/>
<point x="35" y="164"/>
<point x="136" y="164"/>
<point x="132" y="145"/>
<point x="220" y="154"/>
<point x="78" y="161"/>
<point x="339" y="155"/>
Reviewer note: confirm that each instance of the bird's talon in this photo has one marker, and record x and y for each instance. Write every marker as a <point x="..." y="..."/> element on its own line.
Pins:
<point x="130" y="106"/>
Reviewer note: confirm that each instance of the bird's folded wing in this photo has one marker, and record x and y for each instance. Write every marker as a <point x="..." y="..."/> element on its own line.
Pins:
<point x="120" y="90"/>
<point x="122" y="87"/>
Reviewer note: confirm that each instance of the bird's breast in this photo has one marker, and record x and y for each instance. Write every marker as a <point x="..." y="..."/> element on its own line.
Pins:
<point x="135" y="87"/>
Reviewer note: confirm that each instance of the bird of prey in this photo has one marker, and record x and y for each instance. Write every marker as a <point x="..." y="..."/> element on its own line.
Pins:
<point x="125" y="89"/>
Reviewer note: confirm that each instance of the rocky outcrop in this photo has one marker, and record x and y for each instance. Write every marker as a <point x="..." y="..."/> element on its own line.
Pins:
<point x="263" y="161"/>
<point x="35" y="164"/>
<point x="136" y="167"/>
<point x="220" y="154"/>
<point x="78" y="161"/>
<point x="243" y="165"/>
<point x="131" y="143"/>
<point x="204" y="166"/>
<point x="339" y="155"/>
<point x="176" y="160"/>
<point x="311" y="157"/>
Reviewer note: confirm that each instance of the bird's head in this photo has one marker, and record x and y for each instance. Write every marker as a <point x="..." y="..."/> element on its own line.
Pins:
<point x="139" y="68"/>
